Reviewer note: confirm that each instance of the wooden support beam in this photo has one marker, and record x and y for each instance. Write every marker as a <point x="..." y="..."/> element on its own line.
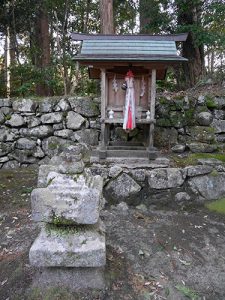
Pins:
<point x="152" y="108"/>
<point x="102" y="150"/>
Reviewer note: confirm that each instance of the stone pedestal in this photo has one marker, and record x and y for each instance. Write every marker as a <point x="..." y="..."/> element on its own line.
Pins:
<point x="68" y="206"/>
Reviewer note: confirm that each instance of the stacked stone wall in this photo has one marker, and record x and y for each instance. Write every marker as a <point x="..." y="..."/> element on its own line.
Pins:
<point x="34" y="130"/>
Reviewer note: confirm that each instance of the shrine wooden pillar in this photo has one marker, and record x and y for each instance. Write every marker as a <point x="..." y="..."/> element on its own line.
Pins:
<point x="151" y="150"/>
<point x="103" y="141"/>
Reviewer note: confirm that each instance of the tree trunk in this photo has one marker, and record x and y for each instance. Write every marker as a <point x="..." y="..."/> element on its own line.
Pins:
<point x="43" y="58"/>
<point x="106" y="16"/>
<point x="195" y="68"/>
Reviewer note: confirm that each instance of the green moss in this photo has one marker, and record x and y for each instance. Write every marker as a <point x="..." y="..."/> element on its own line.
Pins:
<point x="56" y="220"/>
<point x="53" y="146"/>
<point x="64" y="229"/>
<point x="210" y="103"/>
<point x="163" y="122"/>
<point x="163" y="100"/>
<point x="217" y="206"/>
<point x="7" y="117"/>
<point x="192" y="159"/>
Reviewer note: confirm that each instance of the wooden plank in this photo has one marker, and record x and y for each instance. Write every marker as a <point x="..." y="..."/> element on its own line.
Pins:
<point x="152" y="108"/>
<point x="103" y="108"/>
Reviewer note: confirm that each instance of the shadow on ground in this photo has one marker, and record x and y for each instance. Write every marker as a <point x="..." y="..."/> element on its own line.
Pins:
<point x="160" y="254"/>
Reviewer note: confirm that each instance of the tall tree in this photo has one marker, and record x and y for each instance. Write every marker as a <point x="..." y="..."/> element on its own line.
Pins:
<point x="106" y="16"/>
<point x="43" y="57"/>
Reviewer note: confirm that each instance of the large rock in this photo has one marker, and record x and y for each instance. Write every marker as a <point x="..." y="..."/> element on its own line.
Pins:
<point x="87" y="136"/>
<point x="24" y="105"/>
<point x="62" y="105"/>
<point x="198" y="170"/>
<point x="220" y="102"/>
<point x="69" y="247"/>
<point x="5" y="148"/>
<point x="201" y="134"/>
<point x="165" y="137"/>
<point x="26" y="144"/>
<point x="210" y="187"/>
<point x="32" y="121"/>
<point x="179" y="148"/>
<point x="5" y="102"/>
<point x="74" y="120"/>
<point x="219" y="125"/>
<point x="2" y="118"/>
<point x="55" y="145"/>
<point x="7" y="135"/>
<point x="84" y="106"/>
<point x="202" y="147"/>
<point x="166" y="178"/>
<point x="52" y="118"/>
<point x="46" y="105"/>
<point x="39" y="131"/>
<point x="12" y="164"/>
<point x="219" y="114"/>
<point x="64" y="133"/>
<point x="122" y="187"/>
<point x="204" y="118"/>
<point x="68" y="199"/>
<point x="15" y="121"/>
<point x="23" y="156"/>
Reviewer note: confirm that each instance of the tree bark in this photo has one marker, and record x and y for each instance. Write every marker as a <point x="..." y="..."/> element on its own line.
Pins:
<point x="106" y="16"/>
<point x="195" y="68"/>
<point x="43" y="57"/>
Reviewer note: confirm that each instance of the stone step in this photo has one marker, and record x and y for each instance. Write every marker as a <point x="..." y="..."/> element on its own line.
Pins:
<point x="80" y="246"/>
<point x="127" y="153"/>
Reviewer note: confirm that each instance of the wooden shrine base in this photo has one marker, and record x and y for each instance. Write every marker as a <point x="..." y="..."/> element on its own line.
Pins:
<point x="123" y="150"/>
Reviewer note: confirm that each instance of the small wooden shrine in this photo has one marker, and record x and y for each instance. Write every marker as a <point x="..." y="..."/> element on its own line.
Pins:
<point x="128" y="66"/>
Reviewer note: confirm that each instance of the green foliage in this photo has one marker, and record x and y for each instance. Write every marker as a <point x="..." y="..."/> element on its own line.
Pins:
<point x="217" y="206"/>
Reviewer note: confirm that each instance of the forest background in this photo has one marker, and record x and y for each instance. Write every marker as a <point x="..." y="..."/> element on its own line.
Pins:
<point x="37" y="55"/>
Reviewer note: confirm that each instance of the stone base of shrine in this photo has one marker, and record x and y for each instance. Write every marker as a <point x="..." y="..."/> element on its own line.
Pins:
<point x="69" y="278"/>
<point x="79" y="247"/>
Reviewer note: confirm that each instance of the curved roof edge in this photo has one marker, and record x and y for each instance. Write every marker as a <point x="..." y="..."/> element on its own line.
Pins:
<point x="181" y="37"/>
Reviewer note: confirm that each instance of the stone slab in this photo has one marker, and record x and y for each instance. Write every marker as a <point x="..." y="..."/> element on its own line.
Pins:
<point x="68" y="199"/>
<point x="72" y="279"/>
<point x="81" y="246"/>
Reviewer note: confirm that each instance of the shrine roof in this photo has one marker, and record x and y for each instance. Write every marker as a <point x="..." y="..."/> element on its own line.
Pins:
<point x="129" y="47"/>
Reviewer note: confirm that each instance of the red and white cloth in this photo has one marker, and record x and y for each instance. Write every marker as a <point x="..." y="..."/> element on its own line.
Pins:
<point x="129" y="112"/>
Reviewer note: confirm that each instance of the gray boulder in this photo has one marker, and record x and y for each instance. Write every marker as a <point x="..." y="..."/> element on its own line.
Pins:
<point x="23" y="156"/>
<point x="138" y="174"/>
<point x="7" y="135"/>
<point x="182" y="198"/>
<point x="84" y="106"/>
<point x="74" y="120"/>
<point x="75" y="247"/>
<point x="202" y="147"/>
<point x="68" y="199"/>
<point x="165" y="137"/>
<point x="87" y="136"/>
<point x="38" y="152"/>
<point x="5" y="102"/>
<point x="198" y="170"/>
<point x="122" y="187"/>
<point x="32" y="121"/>
<point x="179" y="148"/>
<point x="26" y="144"/>
<point x="62" y="105"/>
<point x="210" y="187"/>
<point x="52" y="118"/>
<point x="166" y="178"/>
<point x="15" y="121"/>
<point x="46" y="105"/>
<point x="219" y="125"/>
<point x="219" y="114"/>
<point x="24" y="105"/>
<point x="55" y="145"/>
<point x="39" y="131"/>
<point x="114" y="171"/>
<point x="2" y="118"/>
<point x="5" y="148"/>
<point x="64" y="133"/>
<point x="204" y="118"/>
<point x="68" y="163"/>
<point x="11" y="164"/>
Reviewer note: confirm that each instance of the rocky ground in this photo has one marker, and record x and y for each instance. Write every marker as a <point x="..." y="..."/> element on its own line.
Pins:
<point x="157" y="254"/>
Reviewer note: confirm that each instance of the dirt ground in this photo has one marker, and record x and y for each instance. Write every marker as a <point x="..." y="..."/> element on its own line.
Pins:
<point x="158" y="254"/>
